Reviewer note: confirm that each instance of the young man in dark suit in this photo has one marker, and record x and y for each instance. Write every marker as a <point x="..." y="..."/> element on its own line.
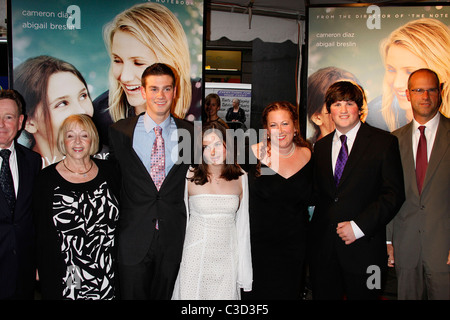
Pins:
<point x="152" y="211"/>
<point x="19" y="167"/>
<point x="358" y="190"/>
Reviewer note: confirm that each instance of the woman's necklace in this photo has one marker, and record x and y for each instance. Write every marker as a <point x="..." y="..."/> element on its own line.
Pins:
<point x="80" y="173"/>
<point x="289" y="154"/>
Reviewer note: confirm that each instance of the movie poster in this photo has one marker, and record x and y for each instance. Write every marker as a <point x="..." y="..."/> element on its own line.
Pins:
<point x="69" y="56"/>
<point x="376" y="47"/>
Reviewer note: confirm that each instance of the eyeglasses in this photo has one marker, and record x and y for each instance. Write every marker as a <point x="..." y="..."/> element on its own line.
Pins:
<point x="432" y="91"/>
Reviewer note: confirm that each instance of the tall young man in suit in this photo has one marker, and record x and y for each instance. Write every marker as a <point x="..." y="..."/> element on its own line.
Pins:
<point x="420" y="232"/>
<point x="19" y="166"/>
<point x="152" y="211"/>
<point x="358" y="190"/>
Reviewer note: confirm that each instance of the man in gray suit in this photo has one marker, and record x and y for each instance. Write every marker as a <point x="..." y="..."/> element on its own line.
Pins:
<point x="420" y="232"/>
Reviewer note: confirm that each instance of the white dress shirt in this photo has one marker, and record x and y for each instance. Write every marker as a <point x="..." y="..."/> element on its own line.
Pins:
<point x="430" y="134"/>
<point x="351" y="136"/>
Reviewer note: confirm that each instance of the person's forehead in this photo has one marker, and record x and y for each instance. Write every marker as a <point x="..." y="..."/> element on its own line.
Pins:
<point x="422" y="78"/>
<point x="8" y="105"/>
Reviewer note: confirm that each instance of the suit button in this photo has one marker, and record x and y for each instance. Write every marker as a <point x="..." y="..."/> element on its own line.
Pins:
<point x="422" y="207"/>
<point x="336" y="199"/>
<point x="158" y="197"/>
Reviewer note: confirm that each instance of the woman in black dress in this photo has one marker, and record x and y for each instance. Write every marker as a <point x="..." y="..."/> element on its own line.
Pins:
<point x="280" y="186"/>
<point x="76" y="212"/>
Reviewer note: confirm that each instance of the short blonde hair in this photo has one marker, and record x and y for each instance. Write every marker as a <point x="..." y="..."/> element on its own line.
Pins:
<point x="84" y="121"/>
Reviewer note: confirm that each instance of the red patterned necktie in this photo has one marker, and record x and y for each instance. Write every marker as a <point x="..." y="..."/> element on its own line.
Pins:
<point x="157" y="162"/>
<point x="341" y="160"/>
<point x="421" y="159"/>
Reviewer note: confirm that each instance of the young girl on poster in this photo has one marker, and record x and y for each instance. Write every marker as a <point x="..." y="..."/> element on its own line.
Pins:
<point x="53" y="89"/>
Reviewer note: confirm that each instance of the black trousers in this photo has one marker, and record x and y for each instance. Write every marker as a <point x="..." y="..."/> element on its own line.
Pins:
<point x="151" y="279"/>
<point x="330" y="281"/>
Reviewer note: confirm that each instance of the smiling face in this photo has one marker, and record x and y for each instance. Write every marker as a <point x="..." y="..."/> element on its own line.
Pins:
<point x="66" y="95"/>
<point x="345" y="115"/>
<point x="281" y="128"/>
<point x="214" y="151"/>
<point x="10" y="122"/>
<point x="159" y="93"/>
<point x="130" y="57"/>
<point x="400" y="63"/>
<point x="424" y="105"/>
<point x="77" y="142"/>
<point x="212" y="107"/>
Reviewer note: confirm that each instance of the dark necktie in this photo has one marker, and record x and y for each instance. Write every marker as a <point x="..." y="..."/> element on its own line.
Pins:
<point x="421" y="159"/>
<point x="6" y="180"/>
<point x="157" y="161"/>
<point x="341" y="160"/>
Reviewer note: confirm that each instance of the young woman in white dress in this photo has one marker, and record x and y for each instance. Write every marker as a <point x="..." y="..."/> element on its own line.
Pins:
<point x="216" y="262"/>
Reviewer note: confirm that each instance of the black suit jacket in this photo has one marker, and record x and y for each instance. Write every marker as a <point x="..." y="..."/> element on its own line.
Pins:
<point x="17" y="243"/>
<point x="370" y="193"/>
<point x="141" y="204"/>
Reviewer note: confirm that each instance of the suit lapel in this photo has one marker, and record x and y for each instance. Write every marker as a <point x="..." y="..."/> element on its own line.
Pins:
<point x="406" y="151"/>
<point x="440" y="147"/>
<point x="24" y="175"/>
<point x="180" y="125"/>
<point x="128" y="131"/>
<point x="328" y="145"/>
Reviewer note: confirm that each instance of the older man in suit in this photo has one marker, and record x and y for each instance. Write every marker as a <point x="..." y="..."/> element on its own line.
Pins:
<point x="19" y="167"/>
<point x="420" y="232"/>
<point x="153" y="164"/>
<point x="358" y="186"/>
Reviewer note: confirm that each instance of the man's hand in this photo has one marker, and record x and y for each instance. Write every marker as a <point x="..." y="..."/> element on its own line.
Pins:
<point x="390" y="252"/>
<point x="345" y="232"/>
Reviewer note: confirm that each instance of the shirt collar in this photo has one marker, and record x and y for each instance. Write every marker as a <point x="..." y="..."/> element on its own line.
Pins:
<point x="431" y="125"/>
<point x="351" y="134"/>
<point x="11" y="148"/>
<point x="149" y="124"/>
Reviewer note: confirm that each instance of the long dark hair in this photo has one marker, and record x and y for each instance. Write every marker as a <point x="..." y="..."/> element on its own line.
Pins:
<point x="230" y="171"/>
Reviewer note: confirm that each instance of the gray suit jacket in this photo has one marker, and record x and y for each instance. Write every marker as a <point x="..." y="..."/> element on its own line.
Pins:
<point x="422" y="226"/>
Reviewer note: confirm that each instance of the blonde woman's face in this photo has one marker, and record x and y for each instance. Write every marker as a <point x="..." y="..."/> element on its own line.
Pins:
<point x="130" y="58"/>
<point x="400" y="63"/>
<point x="77" y="142"/>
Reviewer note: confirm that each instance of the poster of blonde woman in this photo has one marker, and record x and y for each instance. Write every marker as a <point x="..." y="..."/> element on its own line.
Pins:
<point x="88" y="57"/>
<point x="382" y="46"/>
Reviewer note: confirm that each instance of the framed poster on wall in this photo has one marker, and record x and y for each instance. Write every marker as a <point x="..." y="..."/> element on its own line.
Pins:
<point x="105" y="45"/>
<point x="376" y="47"/>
